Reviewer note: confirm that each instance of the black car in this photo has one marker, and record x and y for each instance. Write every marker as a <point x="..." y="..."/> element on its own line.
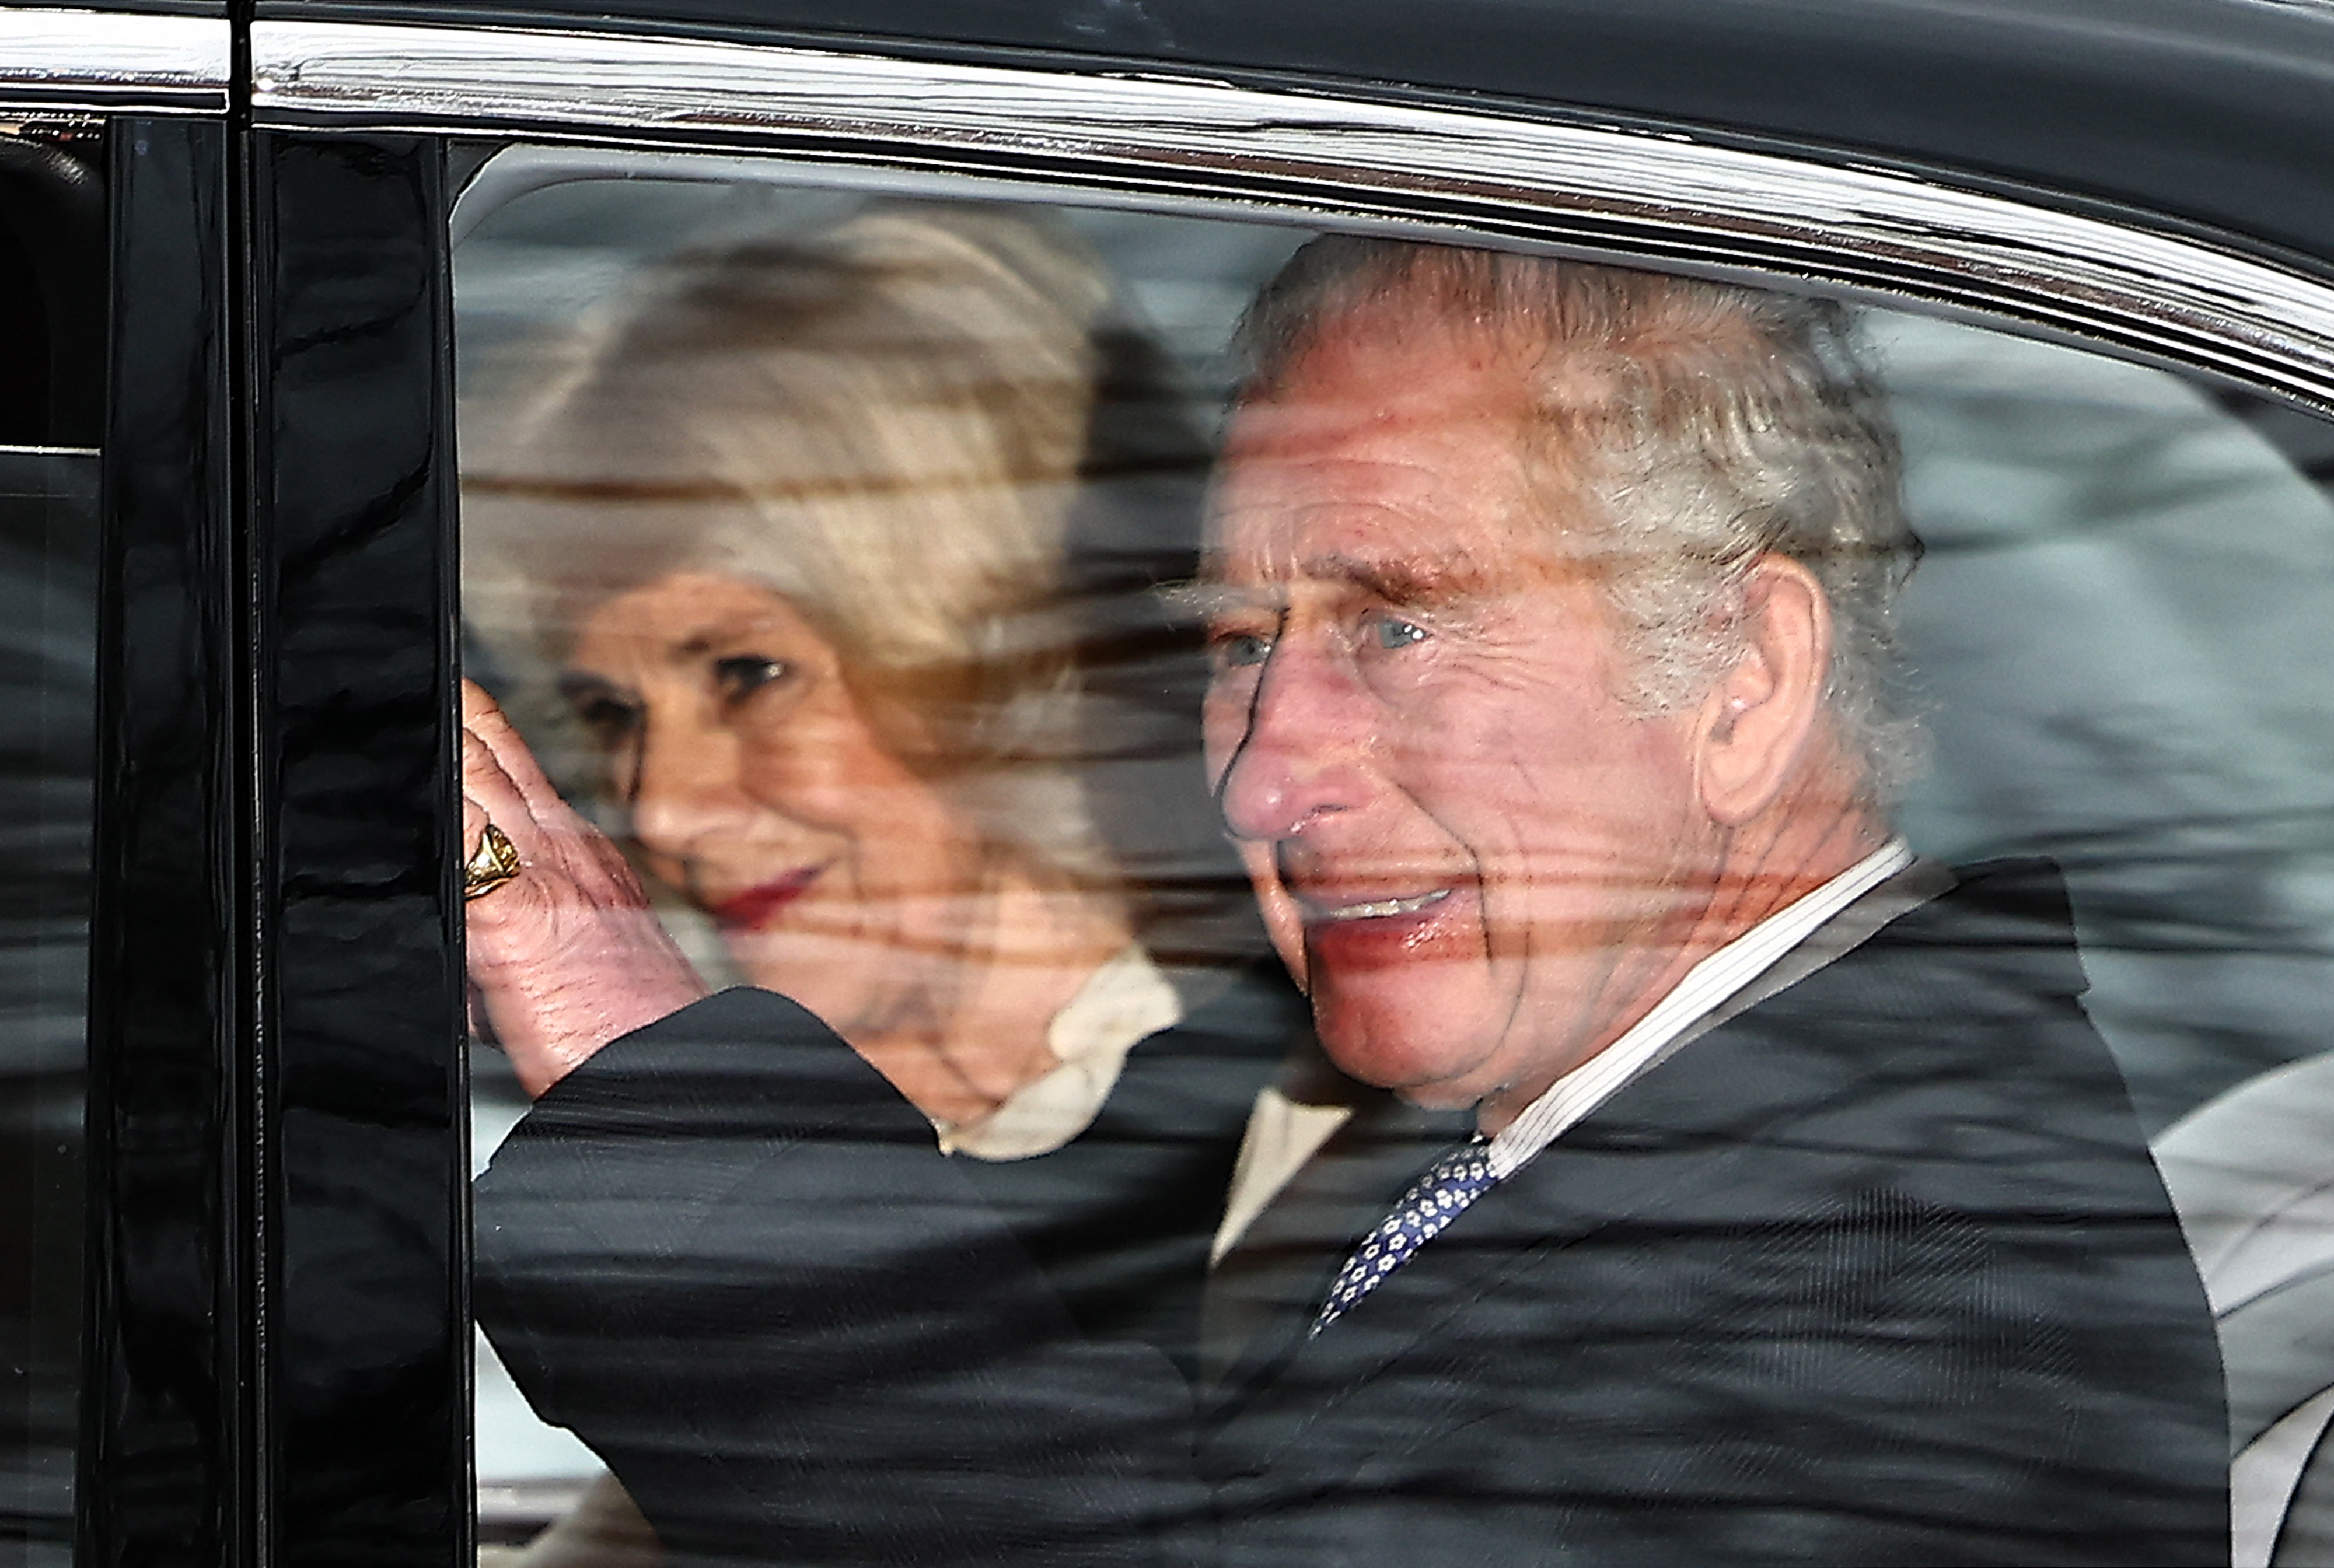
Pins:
<point x="278" y="280"/>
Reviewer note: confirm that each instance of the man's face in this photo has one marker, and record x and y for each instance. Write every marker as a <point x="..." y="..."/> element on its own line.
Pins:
<point x="1467" y="849"/>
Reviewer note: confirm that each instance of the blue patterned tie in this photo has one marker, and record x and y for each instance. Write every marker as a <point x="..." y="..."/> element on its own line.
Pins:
<point x="1433" y="1201"/>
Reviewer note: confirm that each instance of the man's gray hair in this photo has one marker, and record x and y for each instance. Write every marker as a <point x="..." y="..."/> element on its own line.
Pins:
<point x="1707" y="423"/>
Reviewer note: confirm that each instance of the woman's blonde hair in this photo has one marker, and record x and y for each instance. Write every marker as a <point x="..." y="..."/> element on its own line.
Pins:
<point x="893" y="424"/>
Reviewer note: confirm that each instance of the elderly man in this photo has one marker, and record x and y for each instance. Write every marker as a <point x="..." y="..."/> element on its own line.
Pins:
<point x="1806" y="1220"/>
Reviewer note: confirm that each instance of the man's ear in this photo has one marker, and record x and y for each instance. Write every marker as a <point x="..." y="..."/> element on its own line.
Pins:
<point x="1756" y="723"/>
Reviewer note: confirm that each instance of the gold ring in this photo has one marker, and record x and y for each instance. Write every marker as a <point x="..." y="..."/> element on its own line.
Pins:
<point x="496" y="863"/>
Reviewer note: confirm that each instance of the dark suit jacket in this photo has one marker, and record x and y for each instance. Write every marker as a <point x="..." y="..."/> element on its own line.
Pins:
<point x="1876" y="1272"/>
<point x="729" y="1256"/>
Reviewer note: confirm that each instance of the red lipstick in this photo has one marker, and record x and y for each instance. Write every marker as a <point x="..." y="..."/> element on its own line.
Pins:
<point x="758" y="905"/>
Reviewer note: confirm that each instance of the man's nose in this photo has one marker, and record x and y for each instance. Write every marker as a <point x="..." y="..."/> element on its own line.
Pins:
<point x="1297" y="756"/>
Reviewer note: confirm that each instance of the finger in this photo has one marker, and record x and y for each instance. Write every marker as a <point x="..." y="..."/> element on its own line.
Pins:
<point x="484" y="718"/>
<point x="487" y="788"/>
<point x="551" y="842"/>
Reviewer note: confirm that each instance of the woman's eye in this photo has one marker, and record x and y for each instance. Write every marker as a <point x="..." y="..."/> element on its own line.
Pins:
<point x="610" y="718"/>
<point x="742" y="675"/>
<point x="1392" y="632"/>
<point x="1241" y="649"/>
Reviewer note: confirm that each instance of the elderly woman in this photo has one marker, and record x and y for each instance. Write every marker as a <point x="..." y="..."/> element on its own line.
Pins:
<point x="815" y="545"/>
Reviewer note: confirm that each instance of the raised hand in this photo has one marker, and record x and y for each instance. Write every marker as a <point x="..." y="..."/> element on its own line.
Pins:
<point x="566" y="956"/>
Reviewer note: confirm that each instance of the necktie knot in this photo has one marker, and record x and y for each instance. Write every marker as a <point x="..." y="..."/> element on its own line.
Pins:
<point x="1432" y="1202"/>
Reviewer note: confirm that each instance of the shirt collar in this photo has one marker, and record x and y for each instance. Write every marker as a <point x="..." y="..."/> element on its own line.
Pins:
<point x="1704" y="987"/>
<point x="1122" y="1004"/>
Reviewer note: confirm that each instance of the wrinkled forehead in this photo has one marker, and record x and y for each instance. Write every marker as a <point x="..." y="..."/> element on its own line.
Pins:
<point x="1429" y="483"/>
<point x="1401" y="560"/>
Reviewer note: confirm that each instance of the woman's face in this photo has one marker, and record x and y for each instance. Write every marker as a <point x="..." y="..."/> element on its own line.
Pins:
<point x="758" y="788"/>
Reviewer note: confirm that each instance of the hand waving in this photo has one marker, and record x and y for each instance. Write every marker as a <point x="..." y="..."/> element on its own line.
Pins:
<point x="568" y="955"/>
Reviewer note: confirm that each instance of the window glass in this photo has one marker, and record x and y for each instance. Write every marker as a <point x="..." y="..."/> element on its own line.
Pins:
<point x="1575" y="898"/>
<point x="52" y="288"/>
<point x="52" y="279"/>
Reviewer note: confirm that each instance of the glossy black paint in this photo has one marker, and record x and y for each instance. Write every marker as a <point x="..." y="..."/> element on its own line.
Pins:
<point x="166" y="1424"/>
<point x="367" y="1405"/>
<point x="49" y="545"/>
<point x="2220" y="113"/>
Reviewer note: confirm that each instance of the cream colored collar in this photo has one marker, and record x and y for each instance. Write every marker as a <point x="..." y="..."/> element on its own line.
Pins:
<point x="1125" y="1000"/>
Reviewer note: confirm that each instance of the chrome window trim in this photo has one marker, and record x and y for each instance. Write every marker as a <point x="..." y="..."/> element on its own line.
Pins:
<point x="61" y="61"/>
<point x="1666" y="197"/>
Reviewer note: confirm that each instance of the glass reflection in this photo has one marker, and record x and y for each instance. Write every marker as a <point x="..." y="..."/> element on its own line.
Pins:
<point x="718" y="606"/>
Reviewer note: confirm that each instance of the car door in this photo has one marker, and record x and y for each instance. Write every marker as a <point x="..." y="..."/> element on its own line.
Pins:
<point x="126" y="1053"/>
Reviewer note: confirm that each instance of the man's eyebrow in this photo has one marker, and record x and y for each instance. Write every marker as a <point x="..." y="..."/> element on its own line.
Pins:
<point x="1408" y="580"/>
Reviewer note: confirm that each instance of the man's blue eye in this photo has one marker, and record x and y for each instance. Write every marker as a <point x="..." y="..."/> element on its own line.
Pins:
<point x="1394" y="633"/>
<point x="1246" y="648"/>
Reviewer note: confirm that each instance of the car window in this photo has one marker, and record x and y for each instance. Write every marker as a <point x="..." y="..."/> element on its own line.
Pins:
<point x="52" y="249"/>
<point x="53" y="275"/>
<point x="1189" y="766"/>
